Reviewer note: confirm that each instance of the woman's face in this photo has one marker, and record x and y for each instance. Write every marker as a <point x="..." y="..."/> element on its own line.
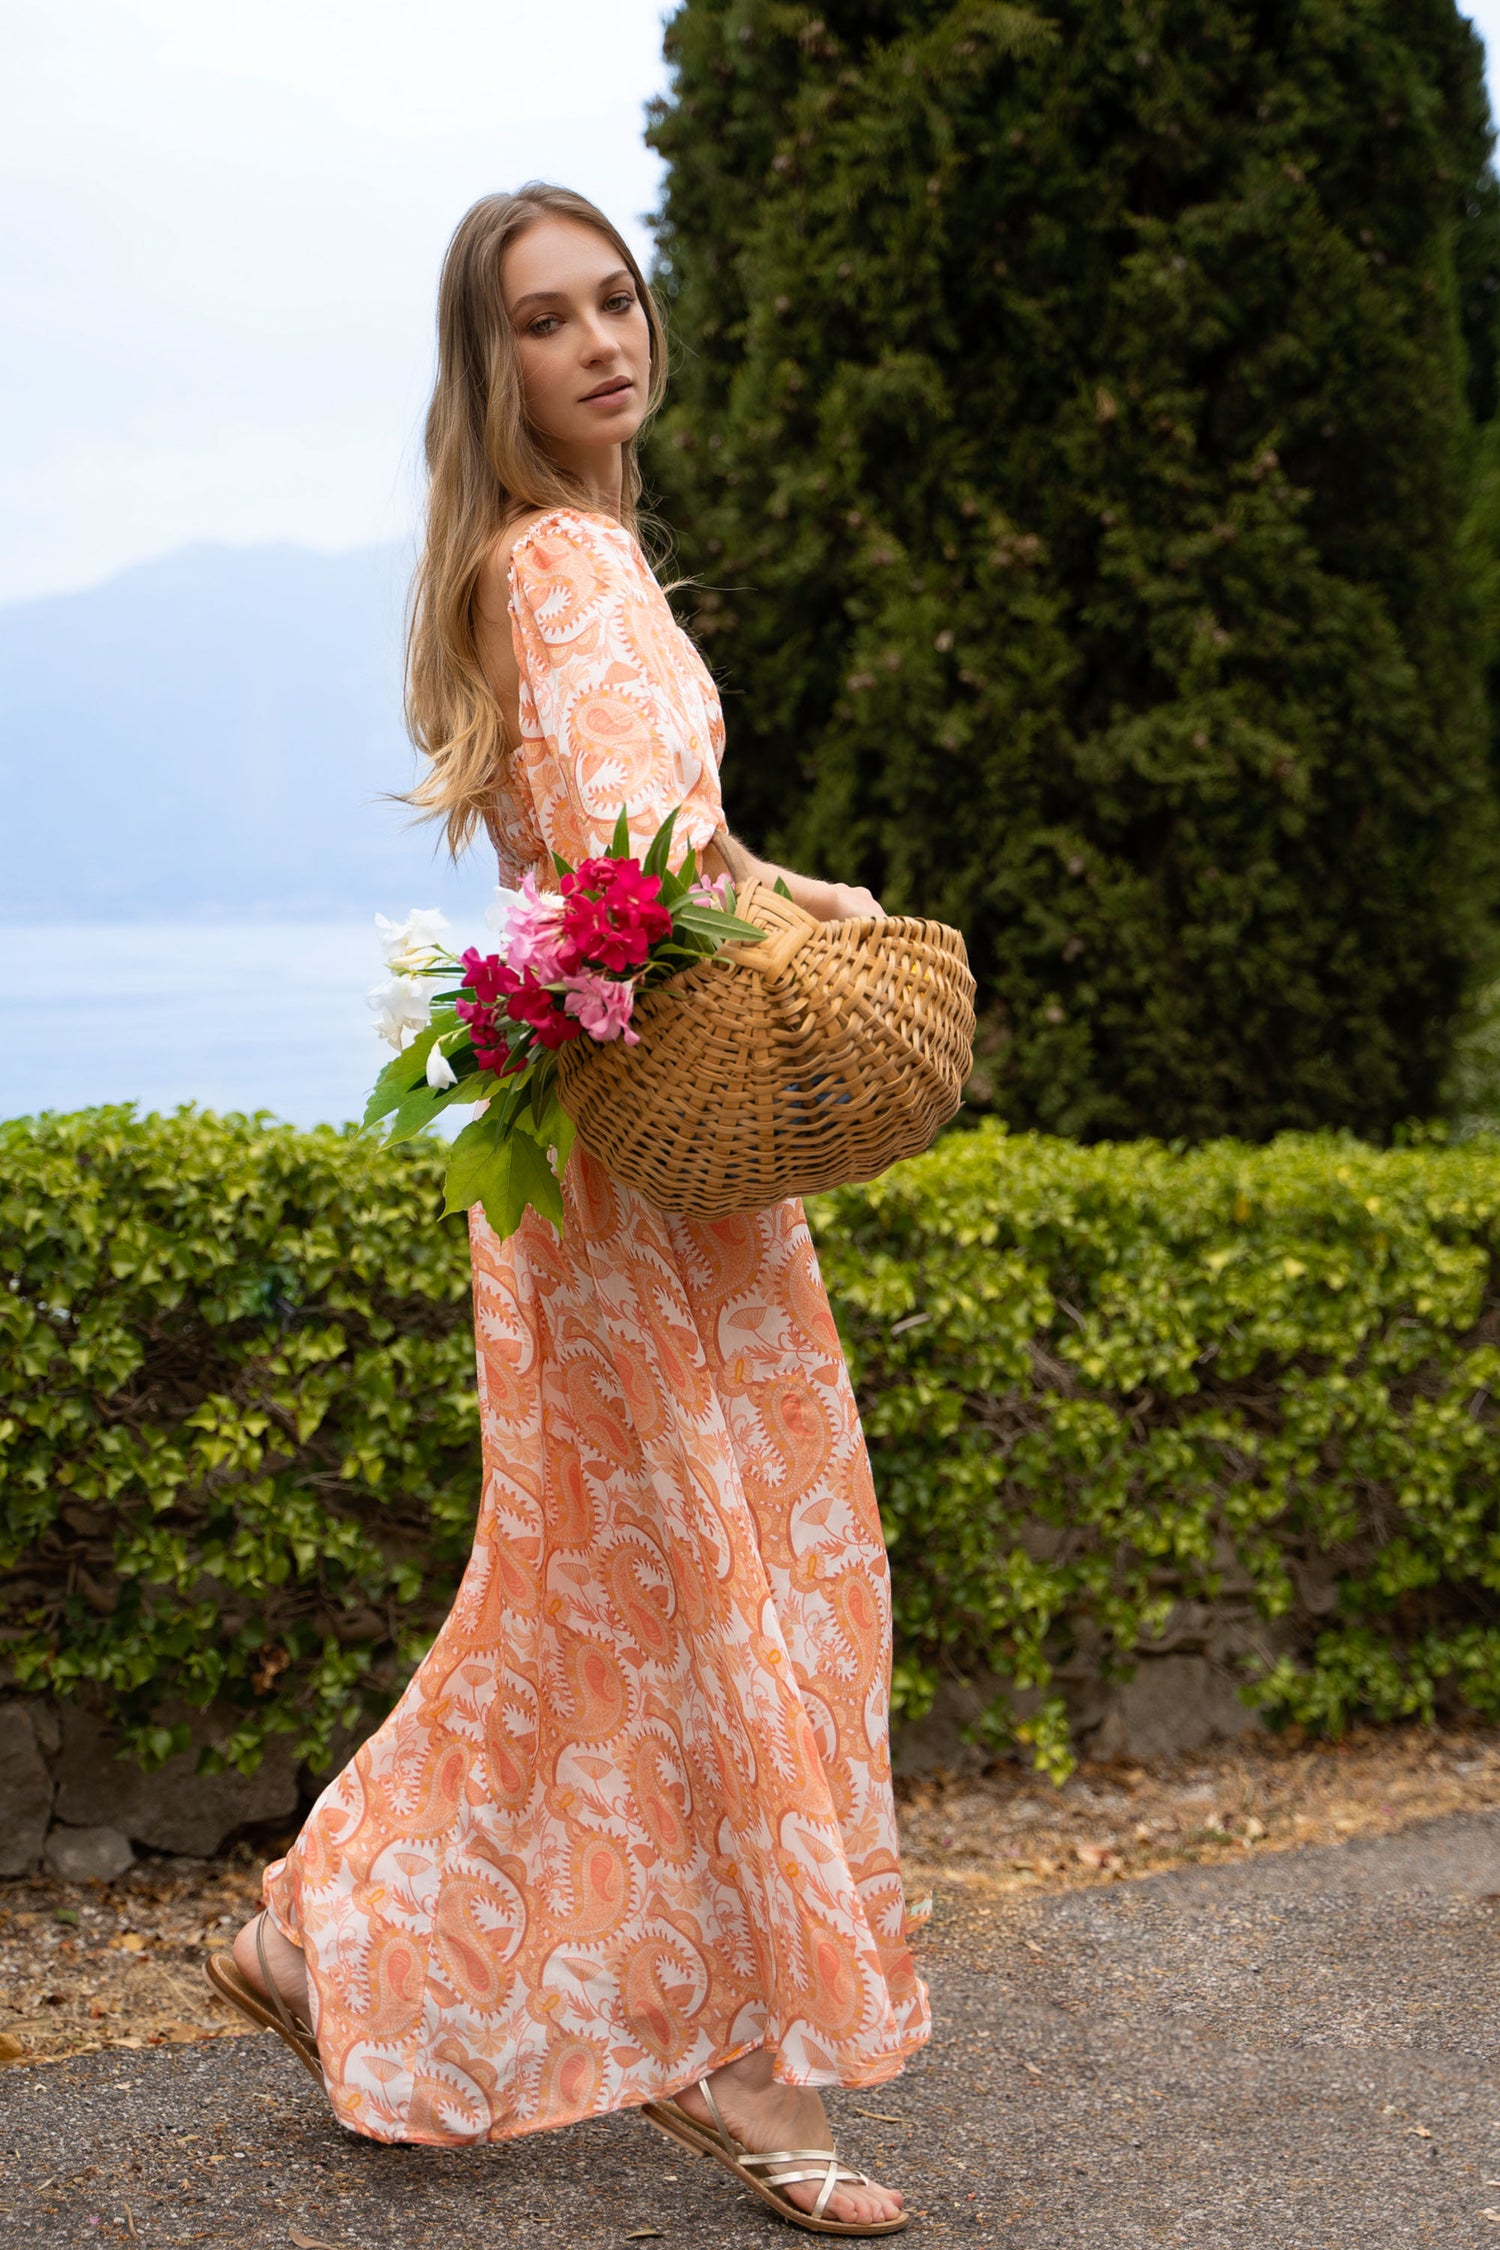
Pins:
<point x="581" y="335"/>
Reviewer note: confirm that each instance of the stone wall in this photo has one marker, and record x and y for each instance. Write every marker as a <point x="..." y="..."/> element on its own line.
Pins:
<point x="1182" y="1695"/>
<point x="70" y="1807"/>
<point x="1176" y="1702"/>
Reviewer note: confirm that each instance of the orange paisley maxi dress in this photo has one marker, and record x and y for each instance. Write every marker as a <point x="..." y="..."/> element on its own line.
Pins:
<point x="633" y="1815"/>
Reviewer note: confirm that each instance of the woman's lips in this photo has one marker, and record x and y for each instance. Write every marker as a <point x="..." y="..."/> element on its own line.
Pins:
<point x="607" y="390"/>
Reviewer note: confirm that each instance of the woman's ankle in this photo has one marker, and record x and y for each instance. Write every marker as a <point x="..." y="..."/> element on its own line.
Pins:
<point x="265" y="1957"/>
<point x="753" y="2071"/>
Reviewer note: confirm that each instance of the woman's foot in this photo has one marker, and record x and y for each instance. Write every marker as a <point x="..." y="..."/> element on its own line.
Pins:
<point x="283" y="1959"/>
<point x="763" y="2115"/>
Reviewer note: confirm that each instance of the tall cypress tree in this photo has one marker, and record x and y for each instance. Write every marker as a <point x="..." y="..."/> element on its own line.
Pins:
<point x="1069" y="443"/>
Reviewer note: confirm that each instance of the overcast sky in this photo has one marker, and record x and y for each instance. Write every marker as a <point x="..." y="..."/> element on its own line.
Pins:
<point x="220" y="227"/>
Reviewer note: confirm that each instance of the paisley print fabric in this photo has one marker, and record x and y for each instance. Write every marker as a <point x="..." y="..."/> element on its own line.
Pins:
<point x="632" y="1816"/>
<point x="616" y="705"/>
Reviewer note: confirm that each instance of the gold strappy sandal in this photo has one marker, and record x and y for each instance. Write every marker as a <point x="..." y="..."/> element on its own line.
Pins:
<point x="222" y="1971"/>
<point x="745" y="2163"/>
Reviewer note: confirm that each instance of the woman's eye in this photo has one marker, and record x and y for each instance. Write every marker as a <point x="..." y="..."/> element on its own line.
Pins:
<point x="621" y="301"/>
<point x="543" y="325"/>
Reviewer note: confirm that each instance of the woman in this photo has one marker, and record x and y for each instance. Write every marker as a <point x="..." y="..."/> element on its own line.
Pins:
<point x="628" y="1837"/>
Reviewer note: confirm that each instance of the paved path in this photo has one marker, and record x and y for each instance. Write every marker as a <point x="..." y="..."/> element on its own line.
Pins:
<point x="1297" y="2052"/>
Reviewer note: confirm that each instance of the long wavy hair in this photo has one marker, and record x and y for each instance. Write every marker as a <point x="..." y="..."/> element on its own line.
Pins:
<point x="486" y="465"/>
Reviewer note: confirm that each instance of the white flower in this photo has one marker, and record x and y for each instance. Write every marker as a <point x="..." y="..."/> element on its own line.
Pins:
<point x="414" y="943"/>
<point x="497" y="915"/>
<point x="400" y="1007"/>
<point x="440" y="1072"/>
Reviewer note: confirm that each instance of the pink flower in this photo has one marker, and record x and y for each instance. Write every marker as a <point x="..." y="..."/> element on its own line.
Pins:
<point x="711" y="890"/>
<point x="488" y="978"/>
<point x="603" y="1005"/>
<point x="548" y="955"/>
<point x="534" y="935"/>
<point x="500" y="995"/>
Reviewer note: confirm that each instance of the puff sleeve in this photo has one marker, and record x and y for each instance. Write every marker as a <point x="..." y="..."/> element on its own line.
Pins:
<point x="616" y="706"/>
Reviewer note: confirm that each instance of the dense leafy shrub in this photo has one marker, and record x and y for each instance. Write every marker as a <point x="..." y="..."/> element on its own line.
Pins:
<point x="1074" y="425"/>
<point x="1472" y="1094"/>
<point x="238" y="1427"/>
<point x="1099" y="1382"/>
<point x="238" y="1444"/>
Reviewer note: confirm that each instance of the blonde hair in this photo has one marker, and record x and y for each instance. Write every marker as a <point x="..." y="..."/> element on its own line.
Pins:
<point x="486" y="465"/>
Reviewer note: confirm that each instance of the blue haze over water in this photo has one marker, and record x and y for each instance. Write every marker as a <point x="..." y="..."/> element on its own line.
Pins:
<point x="232" y="1015"/>
<point x="196" y="836"/>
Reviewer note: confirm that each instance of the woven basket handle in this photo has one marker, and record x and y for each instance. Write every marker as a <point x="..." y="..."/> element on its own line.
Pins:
<point x="791" y="927"/>
<point x="788" y="931"/>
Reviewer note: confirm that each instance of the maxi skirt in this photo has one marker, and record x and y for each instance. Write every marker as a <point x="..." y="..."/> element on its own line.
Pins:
<point x="632" y="1817"/>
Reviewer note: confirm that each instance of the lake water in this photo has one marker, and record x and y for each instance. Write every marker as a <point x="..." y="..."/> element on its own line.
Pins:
<point x="230" y="1015"/>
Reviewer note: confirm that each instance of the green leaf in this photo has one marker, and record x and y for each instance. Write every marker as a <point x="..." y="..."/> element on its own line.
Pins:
<point x="418" y="1109"/>
<point x="505" y="1172"/>
<point x="710" y="922"/>
<point x="779" y="887"/>
<point x="675" y="886"/>
<point x="660" y="844"/>
<point x="532" y="1181"/>
<point x="554" y="1127"/>
<point x="540" y="1086"/>
<point x="473" y="1086"/>
<point x="400" y="1075"/>
<point x="516" y="1099"/>
<point x="619" y="842"/>
<point x="468" y="1160"/>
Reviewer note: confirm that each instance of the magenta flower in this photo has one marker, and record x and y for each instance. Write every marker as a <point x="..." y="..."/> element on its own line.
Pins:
<point x="614" y="914"/>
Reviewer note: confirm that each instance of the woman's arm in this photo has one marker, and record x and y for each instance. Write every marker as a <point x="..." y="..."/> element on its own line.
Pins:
<point x="826" y="902"/>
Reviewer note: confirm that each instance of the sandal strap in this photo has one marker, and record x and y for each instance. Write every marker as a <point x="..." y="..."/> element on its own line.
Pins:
<point x="284" y="2015"/>
<point x="824" y="2162"/>
<point x="788" y="2156"/>
<point x="837" y="2174"/>
<point x="827" y="2169"/>
<point x="727" y="2138"/>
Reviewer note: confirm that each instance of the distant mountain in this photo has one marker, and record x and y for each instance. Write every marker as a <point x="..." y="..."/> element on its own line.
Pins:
<point x="209" y="735"/>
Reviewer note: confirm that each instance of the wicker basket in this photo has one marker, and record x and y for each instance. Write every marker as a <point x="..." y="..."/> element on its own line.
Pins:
<point x="818" y="1056"/>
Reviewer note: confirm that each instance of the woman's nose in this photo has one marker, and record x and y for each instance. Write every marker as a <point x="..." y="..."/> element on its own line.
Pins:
<point x="598" y="343"/>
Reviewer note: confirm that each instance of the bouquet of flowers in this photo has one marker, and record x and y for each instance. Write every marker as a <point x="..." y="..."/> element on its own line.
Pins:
<point x="569" y="964"/>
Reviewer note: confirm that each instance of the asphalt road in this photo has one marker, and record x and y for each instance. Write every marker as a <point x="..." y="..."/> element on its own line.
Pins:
<point x="1297" y="2052"/>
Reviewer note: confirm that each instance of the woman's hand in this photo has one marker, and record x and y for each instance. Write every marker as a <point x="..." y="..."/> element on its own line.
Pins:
<point x="826" y="902"/>
<point x="851" y="902"/>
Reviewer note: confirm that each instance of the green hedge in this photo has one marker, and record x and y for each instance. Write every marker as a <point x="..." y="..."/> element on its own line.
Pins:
<point x="238" y="1430"/>
<point x="238" y="1439"/>
<point x="1142" y="1376"/>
